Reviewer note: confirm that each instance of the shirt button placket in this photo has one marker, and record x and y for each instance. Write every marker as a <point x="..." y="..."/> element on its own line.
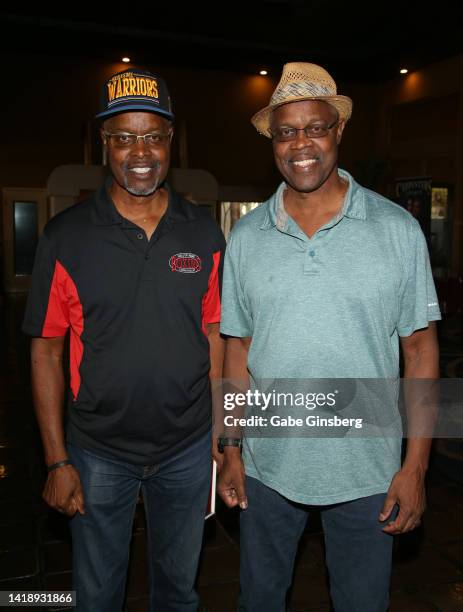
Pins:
<point x="310" y="262"/>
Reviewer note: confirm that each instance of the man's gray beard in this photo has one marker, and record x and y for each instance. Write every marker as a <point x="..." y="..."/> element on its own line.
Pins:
<point x="145" y="191"/>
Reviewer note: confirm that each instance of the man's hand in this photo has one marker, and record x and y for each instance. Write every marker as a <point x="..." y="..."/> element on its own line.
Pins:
<point x="63" y="491"/>
<point x="231" y="480"/>
<point x="408" y="492"/>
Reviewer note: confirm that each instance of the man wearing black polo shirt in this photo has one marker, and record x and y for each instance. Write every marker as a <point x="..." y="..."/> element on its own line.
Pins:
<point x="133" y="273"/>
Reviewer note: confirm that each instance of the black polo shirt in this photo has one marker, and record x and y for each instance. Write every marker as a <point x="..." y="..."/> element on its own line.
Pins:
<point x="136" y="311"/>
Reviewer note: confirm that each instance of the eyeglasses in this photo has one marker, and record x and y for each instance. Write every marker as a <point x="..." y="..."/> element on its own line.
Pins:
<point x="154" y="139"/>
<point x="317" y="130"/>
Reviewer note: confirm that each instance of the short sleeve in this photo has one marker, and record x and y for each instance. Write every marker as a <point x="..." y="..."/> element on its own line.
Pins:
<point x="211" y="307"/>
<point x="47" y="313"/>
<point x="236" y="318"/>
<point x="418" y="303"/>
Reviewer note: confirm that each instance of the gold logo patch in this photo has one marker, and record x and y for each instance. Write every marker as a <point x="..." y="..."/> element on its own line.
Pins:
<point x="131" y="85"/>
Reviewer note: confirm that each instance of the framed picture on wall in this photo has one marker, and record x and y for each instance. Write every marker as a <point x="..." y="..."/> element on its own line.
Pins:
<point x="439" y="202"/>
<point x="442" y="227"/>
<point x="414" y="194"/>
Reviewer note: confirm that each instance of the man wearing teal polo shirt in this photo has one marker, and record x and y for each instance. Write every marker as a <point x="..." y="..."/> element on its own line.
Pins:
<point x="323" y="281"/>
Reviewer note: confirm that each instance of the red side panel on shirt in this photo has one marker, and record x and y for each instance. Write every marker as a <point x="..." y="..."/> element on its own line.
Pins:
<point x="65" y="310"/>
<point x="211" y="299"/>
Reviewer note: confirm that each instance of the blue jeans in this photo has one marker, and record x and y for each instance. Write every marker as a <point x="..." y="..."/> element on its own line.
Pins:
<point x="175" y="494"/>
<point x="358" y="553"/>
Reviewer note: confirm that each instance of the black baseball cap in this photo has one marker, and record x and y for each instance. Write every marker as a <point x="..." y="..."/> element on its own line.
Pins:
<point x="132" y="90"/>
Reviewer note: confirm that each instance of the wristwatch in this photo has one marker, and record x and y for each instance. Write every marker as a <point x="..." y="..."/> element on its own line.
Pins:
<point x="221" y="442"/>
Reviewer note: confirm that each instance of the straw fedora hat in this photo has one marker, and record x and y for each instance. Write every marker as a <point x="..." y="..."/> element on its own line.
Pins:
<point x="302" y="81"/>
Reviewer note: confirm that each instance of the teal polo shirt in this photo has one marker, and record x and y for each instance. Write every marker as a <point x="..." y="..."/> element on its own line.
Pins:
<point x="332" y="306"/>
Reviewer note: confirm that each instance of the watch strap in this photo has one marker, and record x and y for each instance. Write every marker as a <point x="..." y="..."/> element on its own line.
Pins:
<point x="222" y="442"/>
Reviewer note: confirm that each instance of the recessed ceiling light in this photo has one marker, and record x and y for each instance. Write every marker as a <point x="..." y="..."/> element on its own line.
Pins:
<point x="126" y="60"/>
<point x="403" y="70"/>
<point x="263" y="72"/>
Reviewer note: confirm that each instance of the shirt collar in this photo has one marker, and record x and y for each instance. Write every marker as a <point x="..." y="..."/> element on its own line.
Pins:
<point x="353" y="207"/>
<point x="106" y="213"/>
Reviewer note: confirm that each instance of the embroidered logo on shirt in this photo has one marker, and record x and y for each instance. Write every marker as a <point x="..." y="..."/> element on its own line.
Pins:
<point x="185" y="262"/>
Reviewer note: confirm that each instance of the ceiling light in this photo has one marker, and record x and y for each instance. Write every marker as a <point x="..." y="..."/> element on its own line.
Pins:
<point x="403" y="70"/>
<point x="126" y="60"/>
<point x="263" y="72"/>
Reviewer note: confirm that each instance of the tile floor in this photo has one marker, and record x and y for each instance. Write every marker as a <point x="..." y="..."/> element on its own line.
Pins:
<point x="35" y="545"/>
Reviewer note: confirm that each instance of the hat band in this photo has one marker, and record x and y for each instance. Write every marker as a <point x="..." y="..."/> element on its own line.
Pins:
<point x="132" y="100"/>
<point x="301" y="90"/>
